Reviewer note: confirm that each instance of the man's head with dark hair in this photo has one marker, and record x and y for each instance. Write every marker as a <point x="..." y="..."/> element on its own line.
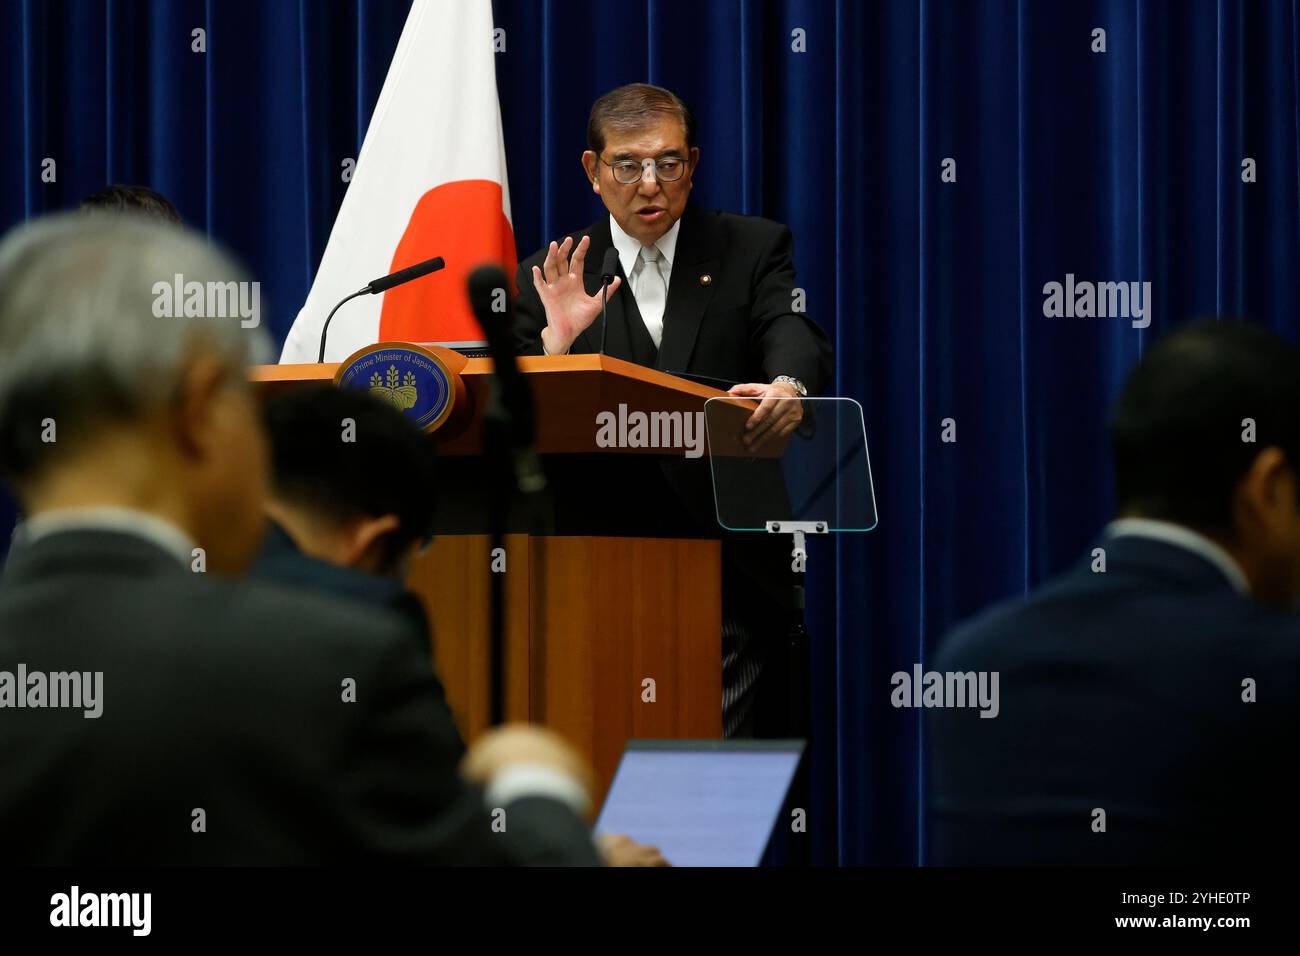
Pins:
<point x="140" y="200"/>
<point x="642" y="125"/>
<point x="634" y="108"/>
<point x="1206" y="434"/>
<point x="352" y="478"/>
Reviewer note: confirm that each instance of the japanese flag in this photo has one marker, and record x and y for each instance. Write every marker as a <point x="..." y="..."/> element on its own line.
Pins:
<point x="430" y="181"/>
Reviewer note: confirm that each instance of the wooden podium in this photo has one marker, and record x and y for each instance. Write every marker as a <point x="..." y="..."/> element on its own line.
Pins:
<point x="607" y="637"/>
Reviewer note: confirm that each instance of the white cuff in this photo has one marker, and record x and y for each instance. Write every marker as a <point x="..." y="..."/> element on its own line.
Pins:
<point x="546" y="351"/>
<point x="536" y="780"/>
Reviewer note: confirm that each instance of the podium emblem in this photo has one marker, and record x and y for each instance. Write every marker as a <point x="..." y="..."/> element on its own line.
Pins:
<point x="401" y="397"/>
<point x="411" y="378"/>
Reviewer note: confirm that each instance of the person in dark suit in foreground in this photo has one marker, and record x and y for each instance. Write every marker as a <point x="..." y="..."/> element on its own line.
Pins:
<point x="152" y="710"/>
<point x="351" y="501"/>
<point x="697" y="292"/>
<point x="353" y="483"/>
<point x="1148" y="697"/>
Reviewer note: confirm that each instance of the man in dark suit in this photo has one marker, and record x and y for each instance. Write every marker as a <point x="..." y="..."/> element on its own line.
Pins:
<point x="154" y="710"/>
<point x="348" y="518"/>
<point x="1147" y="710"/>
<point x="697" y="292"/>
<point x="351" y="503"/>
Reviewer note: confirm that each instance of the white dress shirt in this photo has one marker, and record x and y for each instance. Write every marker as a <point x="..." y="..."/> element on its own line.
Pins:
<point x="519" y="780"/>
<point x="141" y="524"/>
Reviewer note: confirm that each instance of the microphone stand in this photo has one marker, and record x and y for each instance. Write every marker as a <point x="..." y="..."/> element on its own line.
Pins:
<point x="515" y="474"/>
<point x="383" y="284"/>
<point x="604" y="311"/>
<point x="516" y="489"/>
<point x="498" y="424"/>
<point x="325" y="330"/>
<point x="605" y="280"/>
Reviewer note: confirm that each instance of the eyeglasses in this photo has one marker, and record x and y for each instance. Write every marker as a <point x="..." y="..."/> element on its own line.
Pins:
<point x="628" y="171"/>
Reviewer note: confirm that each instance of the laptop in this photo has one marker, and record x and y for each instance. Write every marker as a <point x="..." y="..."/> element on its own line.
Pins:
<point x="702" y="802"/>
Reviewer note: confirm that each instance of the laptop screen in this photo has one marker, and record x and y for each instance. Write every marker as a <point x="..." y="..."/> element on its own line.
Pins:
<point x="701" y="802"/>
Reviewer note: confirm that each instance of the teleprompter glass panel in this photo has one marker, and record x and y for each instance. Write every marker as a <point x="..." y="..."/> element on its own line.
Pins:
<point x="818" y="472"/>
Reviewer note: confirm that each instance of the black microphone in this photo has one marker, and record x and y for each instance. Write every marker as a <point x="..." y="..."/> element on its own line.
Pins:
<point x="380" y="285"/>
<point x="608" y="269"/>
<point x="512" y="404"/>
<point x="406" y="275"/>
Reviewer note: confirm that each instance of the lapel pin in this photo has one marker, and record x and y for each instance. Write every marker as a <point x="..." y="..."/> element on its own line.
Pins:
<point x="706" y="279"/>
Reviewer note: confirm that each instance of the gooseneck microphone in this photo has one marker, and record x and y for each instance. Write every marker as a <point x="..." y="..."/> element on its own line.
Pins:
<point x="608" y="269"/>
<point x="381" y="285"/>
<point x="416" y="271"/>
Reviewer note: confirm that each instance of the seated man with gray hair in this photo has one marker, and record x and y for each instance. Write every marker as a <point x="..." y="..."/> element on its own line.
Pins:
<point x="152" y="710"/>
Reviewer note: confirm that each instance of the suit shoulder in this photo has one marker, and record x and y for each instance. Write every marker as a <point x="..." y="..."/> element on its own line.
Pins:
<point x="755" y="229"/>
<point x="976" y="636"/>
<point x="261" y="619"/>
<point x="1009" y="620"/>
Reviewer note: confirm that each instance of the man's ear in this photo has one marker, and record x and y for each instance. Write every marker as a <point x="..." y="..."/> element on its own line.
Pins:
<point x="590" y="164"/>
<point x="197" y="394"/>
<point x="695" y="162"/>
<point x="1279" y="476"/>
<point x="364" y="535"/>
<point x="1268" y="486"/>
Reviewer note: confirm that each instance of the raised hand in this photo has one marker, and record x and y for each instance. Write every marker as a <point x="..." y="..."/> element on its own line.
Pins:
<point x="559" y="283"/>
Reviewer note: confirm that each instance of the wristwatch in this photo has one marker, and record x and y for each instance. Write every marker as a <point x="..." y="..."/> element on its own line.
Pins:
<point x="794" y="383"/>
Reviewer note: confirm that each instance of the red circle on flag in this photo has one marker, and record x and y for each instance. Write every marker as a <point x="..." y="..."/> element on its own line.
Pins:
<point x="465" y="223"/>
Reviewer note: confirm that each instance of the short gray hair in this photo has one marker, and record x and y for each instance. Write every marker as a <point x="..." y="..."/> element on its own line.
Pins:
<point x="80" y="340"/>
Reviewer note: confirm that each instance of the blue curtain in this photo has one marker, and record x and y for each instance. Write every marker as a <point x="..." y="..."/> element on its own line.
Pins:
<point x="836" y="117"/>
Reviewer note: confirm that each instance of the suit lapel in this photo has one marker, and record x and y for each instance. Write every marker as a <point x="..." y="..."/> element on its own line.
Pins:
<point x="696" y="256"/>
